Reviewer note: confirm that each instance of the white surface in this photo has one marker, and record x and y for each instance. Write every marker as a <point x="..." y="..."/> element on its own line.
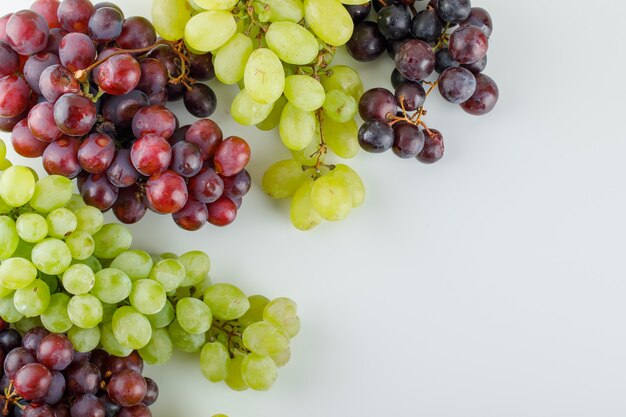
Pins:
<point x="490" y="284"/>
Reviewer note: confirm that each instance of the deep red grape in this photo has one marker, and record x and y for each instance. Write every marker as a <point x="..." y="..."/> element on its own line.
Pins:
<point x="127" y="388"/>
<point x="415" y="60"/>
<point x="77" y="51"/>
<point x="377" y="103"/>
<point x="74" y="115"/>
<point x="87" y="405"/>
<point x="24" y="143"/>
<point x="192" y="217"/>
<point x="152" y="393"/>
<point x="120" y="110"/>
<point x="48" y="9"/>
<point x="133" y="362"/>
<point x="57" y="388"/>
<point x="408" y="140"/>
<point x="9" y="60"/>
<point x="129" y="207"/>
<point x="55" y="352"/>
<point x="41" y="122"/>
<point x="376" y="136"/>
<point x="33" y="337"/>
<point x="468" y="44"/>
<point x="137" y="32"/>
<point x="96" y="153"/>
<point x="61" y="157"/>
<point x="121" y="173"/>
<point x="151" y="155"/>
<point x="206" y="135"/>
<point x="411" y="94"/>
<point x="14" y="95"/>
<point x="433" y="147"/>
<point x="74" y="15"/>
<point x="207" y="186"/>
<point x="82" y="378"/>
<point x="27" y="32"/>
<point x="232" y="155"/>
<point x="118" y="75"/>
<point x="186" y="159"/>
<point x="238" y="185"/>
<point x="201" y="67"/>
<point x="167" y="192"/>
<point x="56" y="81"/>
<point x="16" y="359"/>
<point x="222" y="212"/>
<point x="97" y="191"/>
<point x="32" y="382"/>
<point x="154" y="119"/>
<point x="154" y="76"/>
<point x="485" y="97"/>
<point x="105" y="25"/>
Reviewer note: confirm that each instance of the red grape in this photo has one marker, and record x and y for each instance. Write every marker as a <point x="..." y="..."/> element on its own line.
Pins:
<point x="35" y="65"/>
<point x="33" y="337"/>
<point x="96" y="153"/>
<point x="118" y="75"/>
<point x="238" y="185"/>
<point x="3" y="27"/>
<point x="56" y="81"/>
<point x="457" y="85"/>
<point x="82" y="378"/>
<point x="57" y="388"/>
<point x="129" y="207"/>
<point x="485" y="97"/>
<point x="192" y="217"/>
<point x="154" y="119"/>
<point x="206" y="135"/>
<point x="133" y="362"/>
<point x="87" y="405"/>
<point x="139" y="410"/>
<point x="433" y="147"/>
<point x="121" y="173"/>
<point x="127" y="388"/>
<point x="9" y="60"/>
<point x="222" y="212"/>
<point x="24" y="143"/>
<point x="16" y="359"/>
<point x="167" y="192"/>
<point x="201" y="67"/>
<point x="74" y="115"/>
<point x="105" y="24"/>
<point x="77" y="51"/>
<point x="152" y="393"/>
<point x="377" y="103"/>
<point x="41" y="122"/>
<point x="468" y="44"/>
<point x="207" y="186"/>
<point x="186" y="159"/>
<point x="74" y="15"/>
<point x="154" y="76"/>
<point x="151" y="155"/>
<point x="61" y="157"/>
<point x="33" y="381"/>
<point x="97" y="191"/>
<point x="37" y="410"/>
<point x="48" y="9"/>
<point x="232" y="155"/>
<point x="27" y="32"/>
<point x="137" y="32"/>
<point x="408" y="140"/>
<point x="200" y="100"/>
<point x="55" y="351"/>
<point x="54" y="40"/>
<point x="120" y="110"/>
<point x="14" y="95"/>
<point x="415" y="60"/>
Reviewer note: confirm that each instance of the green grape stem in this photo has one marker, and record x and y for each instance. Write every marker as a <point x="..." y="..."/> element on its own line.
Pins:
<point x="232" y="330"/>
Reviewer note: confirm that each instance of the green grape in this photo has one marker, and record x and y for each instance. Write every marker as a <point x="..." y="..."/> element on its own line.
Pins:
<point x="297" y="127"/>
<point x="84" y="340"/>
<point x="31" y="227"/>
<point x="340" y="106"/>
<point x="331" y="198"/>
<point x="185" y="341"/>
<point x="51" y="193"/>
<point x="89" y="219"/>
<point x="208" y="31"/>
<point x="92" y="262"/>
<point x="193" y="315"/>
<point x="282" y="358"/>
<point x="214" y="361"/>
<point x="85" y="311"/>
<point x="309" y="155"/>
<point x="273" y="119"/>
<point x="9" y="239"/>
<point x="76" y="203"/>
<point x="217" y="4"/>
<point x="170" y="273"/>
<point x="4" y="207"/>
<point x="111" y="241"/>
<point x="107" y="312"/>
<point x="329" y="20"/>
<point x="32" y="300"/>
<point x="234" y="379"/>
<point x="110" y="342"/>
<point x="345" y="79"/>
<point x="265" y="338"/>
<point x="282" y="179"/>
<point x="197" y="265"/>
<point x="112" y="286"/>
<point x="16" y="273"/>
<point x="137" y="264"/>
<point x="282" y="10"/>
<point x="283" y="312"/>
<point x="304" y="92"/>
<point x="198" y="289"/>
<point x="303" y="215"/>
<point x="131" y="328"/>
<point x="61" y="222"/>
<point x="247" y="111"/>
<point x="27" y="323"/>
<point x="8" y="312"/>
<point x="159" y="349"/>
<point x="3" y="150"/>
<point x="264" y="77"/>
<point x="258" y="372"/>
<point x="17" y="186"/>
<point x="352" y="181"/>
<point x="226" y="301"/>
<point x="6" y="164"/>
<point x="51" y="256"/>
<point x="168" y="255"/>
<point x="292" y="43"/>
<point x="56" y="319"/>
<point x="255" y="312"/>
<point x="230" y="60"/>
<point x="342" y="137"/>
<point x="147" y="296"/>
<point x="169" y="18"/>
<point x="80" y="244"/>
<point x="164" y="317"/>
<point x="5" y="292"/>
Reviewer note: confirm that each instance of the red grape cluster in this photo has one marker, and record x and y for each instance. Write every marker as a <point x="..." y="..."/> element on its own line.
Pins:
<point x="449" y="37"/>
<point x="85" y="89"/>
<point x="43" y="376"/>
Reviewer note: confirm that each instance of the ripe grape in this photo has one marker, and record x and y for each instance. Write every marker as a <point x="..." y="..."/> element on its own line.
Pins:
<point x="485" y="97"/>
<point x="137" y="32"/>
<point x="118" y="75"/>
<point x="33" y="381"/>
<point x="427" y="26"/>
<point x="14" y="95"/>
<point x="366" y="43"/>
<point x="25" y="143"/>
<point x="200" y="100"/>
<point x="77" y="51"/>
<point x="61" y="157"/>
<point x="74" y="15"/>
<point x="468" y="44"/>
<point x="122" y="173"/>
<point x="128" y="207"/>
<point x="167" y="192"/>
<point x="105" y="25"/>
<point x="56" y="81"/>
<point x="408" y="140"/>
<point x="35" y="65"/>
<point x="154" y="119"/>
<point x="394" y="21"/>
<point x="97" y="191"/>
<point x="186" y="159"/>
<point x="376" y="136"/>
<point x="480" y="18"/>
<point x="415" y="60"/>
<point x="454" y="11"/>
<point x="151" y="155"/>
<point x="96" y="153"/>
<point x="433" y="147"/>
<point x="74" y="115"/>
<point x="27" y="32"/>
<point x="457" y="85"/>
<point x="377" y="104"/>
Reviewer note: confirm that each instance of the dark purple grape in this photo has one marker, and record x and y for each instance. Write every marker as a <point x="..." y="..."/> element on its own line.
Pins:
<point x="54" y="40"/>
<point x="397" y="78"/>
<point x="468" y="44"/>
<point x="110" y="408"/>
<point x="74" y="15"/>
<point x="175" y="92"/>
<point x="393" y="45"/>
<point x="152" y="393"/>
<point x="77" y="51"/>
<point x="35" y="65"/>
<point x="159" y="98"/>
<point x="16" y="359"/>
<point x="120" y="110"/>
<point x="443" y="60"/>
<point x="32" y="382"/>
<point x="10" y="339"/>
<point x="415" y="60"/>
<point x="108" y="4"/>
<point x="74" y="115"/>
<point x="82" y="378"/>
<point x="97" y="191"/>
<point x="37" y="410"/>
<point x="191" y="217"/>
<point x="32" y="338"/>
<point x="408" y="140"/>
<point x="200" y="100"/>
<point x="137" y="32"/>
<point x="480" y="18"/>
<point x="105" y="25"/>
<point x="81" y="356"/>
<point x="27" y="32"/>
<point x="359" y="12"/>
<point x="485" y="97"/>
<point x="139" y="410"/>
<point x="394" y="21"/>
<point x="96" y="153"/>
<point x="477" y="67"/>
<point x="457" y="85"/>
<point x="127" y="388"/>
<point x="376" y="136"/>
<point x="201" y="67"/>
<point x="121" y="173"/>
<point x="427" y="26"/>
<point x="9" y="61"/>
<point x="412" y="94"/>
<point x="57" y="388"/>
<point x="454" y="11"/>
<point x="238" y="185"/>
<point x="154" y="76"/>
<point x="186" y="159"/>
<point x="166" y="55"/>
<point x="206" y="135"/>
<point x="433" y="147"/>
<point x="131" y="362"/>
<point x="366" y="43"/>
<point x="56" y="81"/>
<point x="129" y="208"/>
<point x="55" y="351"/>
<point x="207" y="186"/>
<point x="379" y="4"/>
<point x="377" y="103"/>
<point x="87" y="405"/>
<point x="61" y="157"/>
<point x="61" y="410"/>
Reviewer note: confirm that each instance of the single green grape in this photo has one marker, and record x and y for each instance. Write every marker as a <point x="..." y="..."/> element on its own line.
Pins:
<point x="32" y="300"/>
<point x="265" y="338"/>
<point x="329" y="20"/>
<point x="341" y="138"/>
<point x="164" y="317"/>
<point x="17" y="273"/>
<point x="56" y="318"/>
<point x="9" y="239"/>
<point x="297" y="127"/>
<point x="27" y="323"/>
<point x="226" y="301"/>
<point x="283" y="312"/>
<point x="111" y="286"/>
<point x="17" y="186"/>
<point x="331" y="198"/>
<point x="89" y="219"/>
<point x="131" y="328"/>
<point x="170" y="273"/>
<point x="281" y="11"/>
<point x="343" y="78"/>
<point x="210" y="30"/>
<point x="304" y="92"/>
<point x="8" y="312"/>
<point x="80" y="244"/>
<point x="340" y="106"/>
<point x="147" y="296"/>
<point x="92" y="262"/>
<point x="214" y="361"/>
<point x="193" y="315"/>
<point x="352" y="181"/>
<point x="170" y="17"/>
<point x="230" y="60"/>
<point x="85" y="311"/>
<point x="84" y="340"/>
<point x="258" y="372"/>
<point x="51" y="193"/>
<point x="32" y="227"/>
<point x="247" y="111"/>
<point x="264" y="76"/>
<point x="111" y="240"/>
<point x="303" y="216"/>
<point x="61" y="222"/>
<point x="217" y="4"/>
<point x="234" y="379"/>
<point x="160" y="348"/>
<point x="282" y="179"/>
<point x="197" y="265"/>
<point x="76" y="203"/>
<point x="110" y="342"/>
<point x="51" y="256"/>
<point x="255" y="312"/>
<point x="184" y="340"/>
<point x="292" y="43"/>
<point x="137" y="264"/>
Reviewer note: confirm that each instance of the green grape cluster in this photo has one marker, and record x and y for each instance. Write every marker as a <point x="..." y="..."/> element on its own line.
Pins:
<point x="279" y="53"/>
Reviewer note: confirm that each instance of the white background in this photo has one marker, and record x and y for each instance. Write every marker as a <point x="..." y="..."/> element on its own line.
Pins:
<point x="490" y="284"/>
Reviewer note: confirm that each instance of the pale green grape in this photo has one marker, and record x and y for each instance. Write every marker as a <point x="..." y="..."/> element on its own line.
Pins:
<point x="112" y="286"/>
<point x="255" y="312"/>
<point x="304" y="92"/>
<point x="258" y="372"/>
<point x="214" y="361"/>
<point x="264" y="76"/>
<point x="217" y="4"/>
<point x="234" y="379"/>
<point x="340" y="106"/>
<point x="164" y="317"/>
<point x="84" y="340"/>
<point x="107" y="312"/>
<point x="342" y="137"/>
<point x="9" y="239"/>
<point x="147" y="296"/>
<point x="168" y="255"/>
<point x="170" y="273"/>
<point x="265" y="338"/>
<point x="76" y="203"/>
<point x="92" y="262"/>
<point x="297" y="127"/>
<point x="5" y="164"/>
<point x="27" y="323"/>
<point x="85" y="311"/>
<point x="230" y="60"/>
<point x="81" y="244"/>
<point x="89" y="219"/>
<point x="331" y="198"/>
<point x="208" y="31"/>
<point x="282" y="179"/>
<point x="5" y="292"/>
<point x="131" y="328"/>
<point x="78" y="279"/>
<point x="197" y="265"/>
<point x="56" y="319"/>
<point x="282" y="358"/>
<point x="32" y="227"/>
<point x="8" y="312"/>
<point x="226" y="301"/>
<point x="201" y="287"/>
<point x="193" y="315"/>
<point x="4" y="207"/>
<point x="16" y="273"/>
<point x="110" y="342"/>
<point x="17" y="186"/>
<point x="185" y="341"/>
<point x="281" y="10"/>
<point x="61" y="222"/>
<point x="283" y="312"/>
<point x="292" y="43"/>
<point x="329" y="20"/>
<point x="303" y="215"/>
<point x="169" y="18"/>
<point x="112" y="240"/>
<point x="352" y="181"/>
<point x="32" y="300"/>
<point x="137" y="264"/>
<point x="273" y="119"/>
<point x="159" y="349"/>
<point x="309" y="155"/>
<point x="247" y="111"/>
<point x="51" y="256"/>
<point x="51" y="193"/>
<point x="345" y="79"/>
<point x="3" y="150"/>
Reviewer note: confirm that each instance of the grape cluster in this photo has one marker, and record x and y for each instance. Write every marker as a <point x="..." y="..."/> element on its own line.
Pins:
<point x="279" y="52"/>
<point x="67" y="271"/>
<point x="45" y="377"/>
<point x="89" y="99"/>
<point x="449" y="37"/>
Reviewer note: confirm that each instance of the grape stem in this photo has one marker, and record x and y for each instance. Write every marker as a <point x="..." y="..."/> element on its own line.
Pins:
<point x="323" y="149"/>
<point x="443" y="39"/>
<point x="416" y="118"/>
<point x="232" y="333"/>
<point x="10" y="397"/>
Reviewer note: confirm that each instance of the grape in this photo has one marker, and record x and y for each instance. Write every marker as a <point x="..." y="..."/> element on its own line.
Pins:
<point x="282" y="358"/>
<point x="151" y="155"/>
<point x="74" y="15"/>
<point x="34" y="66"/>
<point x="454" y="11"/>
<point x="185" y="341"/>
<point x="152" y="392"/>
<point x="341" y="137"/>
<point x="408" y="140"/>
<point x="201" y="66"/>
<point x="154" y="76"/>
<point x="163" y="318"/>
<point x="17" y="186"/>
<point x="14" y="96"/>
<point x="258" y="372"/>
<point x="51" y="256"/>
<point x="31" y="227"/>
<point x="477" y="67"/>
<point x="273" y="118"/>
<point x="214" y="362"/>
<point x="209" y="30"/>
<point x="255" y="312"/>
<point x="206" y="135"/>
<point x="111" y="285"/>
<point x="339" y="106"/>
<point x="329" y="20"/>
<point x="8" y="312"/>
<point x="186" y="159"/>
<point x="377" y="104"/>
<point x="297" y="127"/>
<point x="170" y="17"/>
<point x="282" y="10"/>
<point x="457" y="85"/>
<point x="366" y="43"/>
<point x="51" y="192"/>
<point x="111" y="241"/>
<point x="74" y="115"/>
<point x="193" y="216"/>
<point x="237" y="186"/>
<point x="118" y="75"/>
<point x="303" y="215"/>
<point x="136" y="264"/>
<point x="32" y="300"/>
<point x="109" y="341"/>
<point x="55" y="81"/>
<point x="84" y="340"/>
<point x="120" y="110"/>
<point x="16" y="273"/>
<point x="216" y="4"/>
<point x="411" y="95"/>
<point x="137" y="33"/>
<point x="27" y="32"/>
<point x="139" y="410"/>
<point x="167" y="192"/>
<point x="147" y="296"/>
<point x="394" y="21"/>
<point x="61" y="222"/>
<point x="89" y="219"/>
<point x="77" y="51"/>
<point x="131" y="328"/>
<point x="105" y="25"/>
<point x="33" y="381"/>
<point x="9" y="340"/>
<point x="231" y="156"/>
<point x="359" y="12"/>
<point x="121" y="173"/>
<point x="222" y="212"/>
<point x="154" y="119"/>
<point x="55" y="352"/>
<point x="304" y="92"/>
<point x="480" y="18"/>
<point x="56" y="318"/>
<point x="157" y="352"/>
<point x="87" y="405"/>
<point x="468" y="44"/>
<point x="231" y="58"/>
<point x="170" y="273"/>
<point x="200" y="100"/>
<point x="133" y="362"/>
<point x="292" y="43"/>
<point x="54" y="40"/>
<point x="61" y="157"/>
<point x="485" y="97"/>
<point x="433" y="147"/>
<point x="97" y="191"/>
<point x="41" y="122"/>
<point x="234" y="379"/>
<point x="226" y="301"/>
<point x="415" y="60"/>
<point x="47" y="9"/>
<point x="343" y="78"/>
<point x="247" y="111"/>
<point x="85" y="311"/>
<point x="83" y="378"/>
<point x="265" y="338"/>
<point x="331" y="198"/>
<point x="283" y="178"/>
<point x="427" y="26"/>
<point x="282" y="312"/>
<point x="96" y="153"/>
<point x="128" y="207"/>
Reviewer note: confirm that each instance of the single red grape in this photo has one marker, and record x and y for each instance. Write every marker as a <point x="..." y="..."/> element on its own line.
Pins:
<point x="61" y="157"/>
<point x="14" y="95"/>
<point x="127" y="388"/>
<point x="206" y="135"/>
<point x="24" y="143"/>
<point x="74" y="15"/>
<point x="32" y="382"/>
<point x="48" y="9"/>
<point x="96" y="153"/>
<point x="41" y="122"/>
<point x="167" y="192"/>
<point x="57" y="80"/>
<point x="118" y="75"/>
<point x="27" y="32"/>
<point x="74" y="115"/>
<point x="222" y="212"/>
<point x="55" y="351"/>
<point x="232" y="155"/>
<point x="154" y="119"/>
<point x="192" y="217"/>
<point x="97" y="191"/>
